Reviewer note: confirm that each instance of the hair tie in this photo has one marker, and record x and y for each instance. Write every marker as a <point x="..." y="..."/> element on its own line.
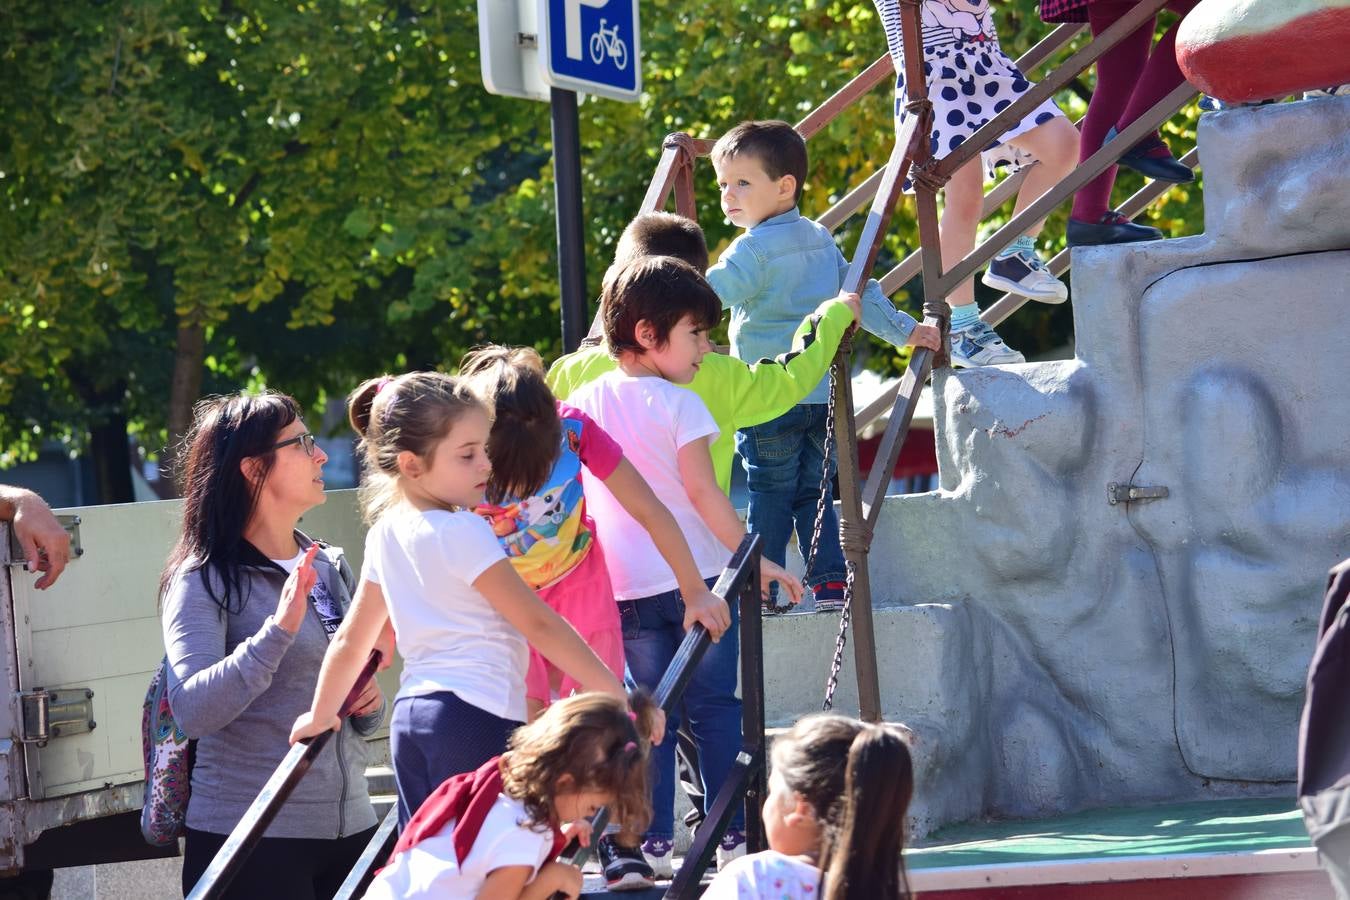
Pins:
<point x="384" y="383"/>
<point x="633" y="716"/>
<point x="629" y="747"/>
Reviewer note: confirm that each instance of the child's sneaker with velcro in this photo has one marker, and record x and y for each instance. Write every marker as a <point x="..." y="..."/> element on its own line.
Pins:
<point x="731" y="847"/>
<point x="660" y="855"/>
<point x="977" y="344"/>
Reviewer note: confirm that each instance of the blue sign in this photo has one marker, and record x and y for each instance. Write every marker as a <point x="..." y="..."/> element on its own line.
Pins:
<point x="591" y="46"/>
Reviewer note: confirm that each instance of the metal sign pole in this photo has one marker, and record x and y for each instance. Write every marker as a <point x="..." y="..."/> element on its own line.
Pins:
<point x="567" y="194"/>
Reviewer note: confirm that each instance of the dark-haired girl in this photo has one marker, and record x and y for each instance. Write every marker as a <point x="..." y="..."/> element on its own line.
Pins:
<point x="834" y="817"/>
<point x="491" y="833"/>
<point x="249" y="603"/>
<point x="537" y="509"/>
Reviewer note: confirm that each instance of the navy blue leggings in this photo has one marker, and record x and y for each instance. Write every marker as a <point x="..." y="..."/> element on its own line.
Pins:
<point x="434" y="736"/>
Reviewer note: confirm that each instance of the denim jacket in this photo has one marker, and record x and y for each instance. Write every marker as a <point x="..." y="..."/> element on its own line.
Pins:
<point x="776" y="273"/>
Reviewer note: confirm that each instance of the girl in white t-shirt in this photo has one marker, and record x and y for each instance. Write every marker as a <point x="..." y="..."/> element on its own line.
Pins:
<point x="492" y="832"/>
<point x="834" y="817"/>
<point x="461" y="616"/>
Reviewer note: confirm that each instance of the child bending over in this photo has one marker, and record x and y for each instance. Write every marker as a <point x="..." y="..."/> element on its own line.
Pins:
<point x="834" y="817"/>
<point x="769" y="277"/>
<point x="494" y="832"/>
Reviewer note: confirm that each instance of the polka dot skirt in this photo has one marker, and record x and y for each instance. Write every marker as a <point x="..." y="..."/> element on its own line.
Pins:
<point x="969" y="83"/>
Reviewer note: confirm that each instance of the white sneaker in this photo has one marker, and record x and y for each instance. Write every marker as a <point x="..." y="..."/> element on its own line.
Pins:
<point x="1023" y="273"/>
<point x="732" y="846"/>
<point x="980" y="345"/>
<point x="660" y="855"/>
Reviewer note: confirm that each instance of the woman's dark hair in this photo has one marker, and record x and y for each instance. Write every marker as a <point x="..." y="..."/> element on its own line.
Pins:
<point x="864" y="833"/>
<point x="526" y="431"/>
<point x="592" y="739"/>
<point x="659" y="289"/>
<point x="218" y="500"/>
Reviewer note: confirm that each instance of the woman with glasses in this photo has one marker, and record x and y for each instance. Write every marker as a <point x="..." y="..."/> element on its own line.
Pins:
<point x="249" y="603"/>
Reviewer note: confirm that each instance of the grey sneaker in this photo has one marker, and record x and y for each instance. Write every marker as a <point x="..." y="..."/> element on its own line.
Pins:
<point x="1024" y="273"/>
<point x="980" y="345"/>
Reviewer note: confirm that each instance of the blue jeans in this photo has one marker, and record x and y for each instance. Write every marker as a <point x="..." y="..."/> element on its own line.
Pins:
<point x="783" y="459"/>
<point x="653" y="628"/>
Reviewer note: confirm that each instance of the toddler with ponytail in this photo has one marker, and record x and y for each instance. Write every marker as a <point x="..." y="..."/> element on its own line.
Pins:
<point x="834" y="817"/>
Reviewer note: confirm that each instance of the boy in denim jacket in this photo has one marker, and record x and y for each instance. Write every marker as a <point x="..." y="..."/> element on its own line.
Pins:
<point x="770" y="277"/>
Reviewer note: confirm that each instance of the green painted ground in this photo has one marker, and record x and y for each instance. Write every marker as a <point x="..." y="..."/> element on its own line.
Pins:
<point x="1224" y="826"/>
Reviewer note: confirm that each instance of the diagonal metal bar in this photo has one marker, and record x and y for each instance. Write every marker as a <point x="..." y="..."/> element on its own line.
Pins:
<point x="857" y="86"/>
<point x="1047" y="87"/>
<point x="376" y="852"/>
<point x="897" y="428"/>
<point x="1089" y="169"/>
<point x="245" y="836"/>
<point x="687" y="883"/>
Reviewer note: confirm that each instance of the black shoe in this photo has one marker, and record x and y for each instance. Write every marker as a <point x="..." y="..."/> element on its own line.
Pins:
<point x="625" y="868"/>
<point x="1112" y="228"/>
<point x="1159" y="168"/>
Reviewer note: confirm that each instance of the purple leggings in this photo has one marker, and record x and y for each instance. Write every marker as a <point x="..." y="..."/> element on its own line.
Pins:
<point x="1130" y="79"/>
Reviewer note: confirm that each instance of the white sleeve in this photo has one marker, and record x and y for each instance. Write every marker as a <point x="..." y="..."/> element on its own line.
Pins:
<point x="691" y="418"/>
<point x="519" y="846"/>
<point x="370" y="570"/>
<point x="469" y="545"/>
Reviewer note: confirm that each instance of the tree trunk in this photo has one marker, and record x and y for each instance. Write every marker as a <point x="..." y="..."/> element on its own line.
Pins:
<point x="110" y="453"/>
<point x="185" y="386"/>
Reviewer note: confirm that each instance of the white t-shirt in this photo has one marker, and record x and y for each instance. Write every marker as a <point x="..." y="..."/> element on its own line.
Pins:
<point x="651" y="419"/>
<point x="430" y="869"/>
<point x="766" y="876"/>
<point x="450" y="637"/>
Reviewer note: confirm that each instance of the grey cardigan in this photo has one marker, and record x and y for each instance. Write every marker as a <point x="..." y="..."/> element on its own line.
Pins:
<point x="237" y="683"/>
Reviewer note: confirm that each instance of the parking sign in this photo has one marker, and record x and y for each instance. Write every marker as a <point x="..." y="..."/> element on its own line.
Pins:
<point x="591" y="46"/>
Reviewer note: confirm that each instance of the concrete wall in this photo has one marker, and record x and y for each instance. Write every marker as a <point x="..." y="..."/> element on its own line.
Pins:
<point x="1053" y="651"/>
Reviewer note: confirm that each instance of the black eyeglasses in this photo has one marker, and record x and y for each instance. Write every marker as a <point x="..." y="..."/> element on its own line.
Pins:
<point x="305" y="440"/>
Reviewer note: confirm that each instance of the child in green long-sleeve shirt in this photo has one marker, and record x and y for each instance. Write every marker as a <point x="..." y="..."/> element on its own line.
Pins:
<point x="738" y="395"/>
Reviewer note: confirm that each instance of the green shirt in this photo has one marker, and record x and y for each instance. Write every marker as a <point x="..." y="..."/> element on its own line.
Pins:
<point x="738" y="395"/>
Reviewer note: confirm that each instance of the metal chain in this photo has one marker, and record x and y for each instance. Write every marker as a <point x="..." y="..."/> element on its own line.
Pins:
<point x="824" y="495"/>
<point x="844" y="618"/>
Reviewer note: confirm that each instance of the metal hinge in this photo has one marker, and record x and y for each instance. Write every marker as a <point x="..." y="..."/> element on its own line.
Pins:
<point x="1125" y="493"/>
<point x="53" y="714"/>
<point x="70" y="523"/>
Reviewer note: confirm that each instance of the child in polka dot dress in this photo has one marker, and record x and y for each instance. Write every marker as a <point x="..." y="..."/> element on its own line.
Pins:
<point x="970" y="80"/>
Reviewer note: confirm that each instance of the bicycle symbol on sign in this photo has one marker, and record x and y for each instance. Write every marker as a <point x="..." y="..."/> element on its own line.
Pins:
<point x="606" y="42"/>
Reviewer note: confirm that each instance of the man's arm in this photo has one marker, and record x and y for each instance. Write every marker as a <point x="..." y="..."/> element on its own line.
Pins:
<point x="46" y="545"/>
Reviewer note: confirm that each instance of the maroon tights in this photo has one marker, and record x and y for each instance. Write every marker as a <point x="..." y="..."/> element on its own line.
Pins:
<point x="1130" y="79"/>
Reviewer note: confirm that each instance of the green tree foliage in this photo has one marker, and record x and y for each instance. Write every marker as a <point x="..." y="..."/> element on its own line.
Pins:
<point x="201" y="197"/>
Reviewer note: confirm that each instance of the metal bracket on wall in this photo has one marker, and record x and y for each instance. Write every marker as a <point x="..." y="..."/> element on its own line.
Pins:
<point x="1125" y="493"/>
<point x="53" y="714"/>
<point x="70" y="523"/>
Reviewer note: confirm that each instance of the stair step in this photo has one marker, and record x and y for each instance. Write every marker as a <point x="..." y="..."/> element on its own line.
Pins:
<point x="380" y="780"/>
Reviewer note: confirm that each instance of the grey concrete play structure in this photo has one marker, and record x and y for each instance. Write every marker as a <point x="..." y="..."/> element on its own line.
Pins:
<point x="1053" y="650"/>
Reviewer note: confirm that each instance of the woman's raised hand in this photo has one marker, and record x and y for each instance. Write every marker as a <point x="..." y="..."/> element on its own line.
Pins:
<point x="295" y="592"/>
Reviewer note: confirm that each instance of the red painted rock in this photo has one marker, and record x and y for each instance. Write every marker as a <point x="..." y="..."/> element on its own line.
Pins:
<point x="1245" y="50"/>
